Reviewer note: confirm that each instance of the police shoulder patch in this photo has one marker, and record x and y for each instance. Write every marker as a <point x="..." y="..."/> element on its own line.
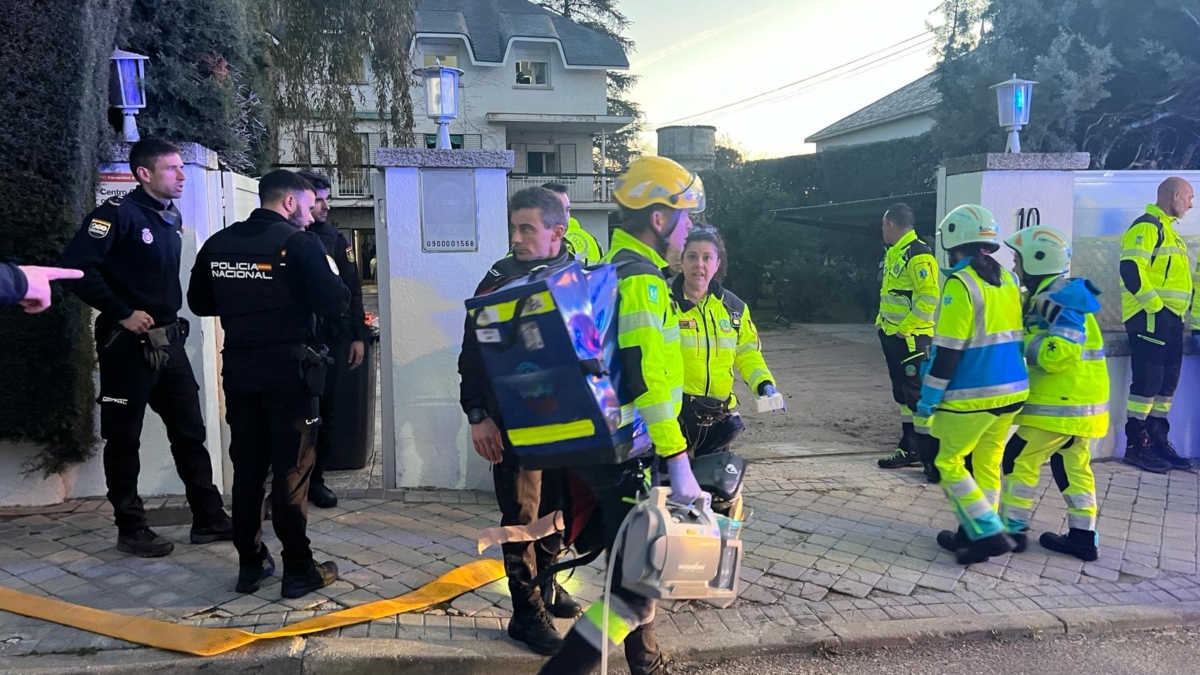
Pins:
<point x="99" y="228"/>
<point x="332" y="265"/>
<point x="350" y="254"/>
<point x="653" y="293"/>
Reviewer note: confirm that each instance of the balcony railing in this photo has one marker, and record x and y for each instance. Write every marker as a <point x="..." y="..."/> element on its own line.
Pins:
<point x="581" y="187"/>
<point x="353" y="183"/>
<point x="350" y="183"/>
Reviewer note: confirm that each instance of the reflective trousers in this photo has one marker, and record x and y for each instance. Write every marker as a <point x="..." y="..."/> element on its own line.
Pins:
<point x="631" y="616"/>
<point x="980" y="436"/>
<point x="904" y="358"/>
<point x="1070" y="463"/>
<point x="1156" y="344"/>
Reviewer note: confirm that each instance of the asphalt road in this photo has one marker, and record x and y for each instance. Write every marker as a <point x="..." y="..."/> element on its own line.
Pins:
<point x="1174" y="652"/>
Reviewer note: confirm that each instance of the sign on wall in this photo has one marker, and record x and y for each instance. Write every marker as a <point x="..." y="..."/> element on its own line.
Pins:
<point x="449" y="211"/>
<point x="114" y="184"/>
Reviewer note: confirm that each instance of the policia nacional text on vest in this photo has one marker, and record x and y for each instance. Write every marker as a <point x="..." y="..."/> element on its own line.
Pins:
<point x="266" y="280"/>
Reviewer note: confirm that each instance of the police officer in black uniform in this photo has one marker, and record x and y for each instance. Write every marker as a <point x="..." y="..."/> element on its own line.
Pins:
<point x="345" y="336"/>
<point x="538" y="225"/>
<point x="267" y="278"/>
<point x="129" y="250"/>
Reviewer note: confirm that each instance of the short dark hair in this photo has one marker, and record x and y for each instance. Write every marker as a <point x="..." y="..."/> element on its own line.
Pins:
<point x="636" y="221"/>
<point x="145" y="153"/>
<point x="710" y="234"/>
<point x="544" y="201"/>
<point x="900" y="214"/>
<point x="279" y="183"/>
<point x="557" y="188"/>
<point x="319" y="180"/>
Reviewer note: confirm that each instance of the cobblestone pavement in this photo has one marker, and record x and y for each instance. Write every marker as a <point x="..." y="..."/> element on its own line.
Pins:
<point x="830" y="540"/>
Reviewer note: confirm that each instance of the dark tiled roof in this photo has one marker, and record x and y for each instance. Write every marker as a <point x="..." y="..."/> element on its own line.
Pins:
<point x="489" y="25"/>
<point x="913" y="98"/>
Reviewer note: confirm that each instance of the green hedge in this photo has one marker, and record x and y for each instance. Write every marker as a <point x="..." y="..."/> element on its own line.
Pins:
<point x="54" y="94"/>
<point x="813" y="274"/>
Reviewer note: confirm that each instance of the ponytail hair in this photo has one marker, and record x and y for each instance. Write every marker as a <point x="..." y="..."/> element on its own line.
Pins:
<point x="982" y="261"/>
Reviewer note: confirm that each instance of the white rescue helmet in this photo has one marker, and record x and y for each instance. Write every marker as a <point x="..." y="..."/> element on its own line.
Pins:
<point x="1044" y="250"/>
<point x="969" y="224"/>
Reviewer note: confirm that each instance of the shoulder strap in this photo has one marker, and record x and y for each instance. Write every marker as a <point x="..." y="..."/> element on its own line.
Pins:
<point x="630" y="264"/>
<point x="736" y="308"/>
<point x="1147" y="218"/>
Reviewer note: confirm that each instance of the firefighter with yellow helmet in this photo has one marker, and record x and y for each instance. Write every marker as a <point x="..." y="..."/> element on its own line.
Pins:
<point x="1068" y="394"/>
<point x="657" y="197"/>
<point x="976" y="381"/>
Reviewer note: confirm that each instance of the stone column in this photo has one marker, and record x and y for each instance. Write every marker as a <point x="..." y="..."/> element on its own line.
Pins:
<point x="433" y="249"/>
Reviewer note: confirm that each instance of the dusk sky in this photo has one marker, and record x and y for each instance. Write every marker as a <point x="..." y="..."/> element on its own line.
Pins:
<point x="696" y="55"/>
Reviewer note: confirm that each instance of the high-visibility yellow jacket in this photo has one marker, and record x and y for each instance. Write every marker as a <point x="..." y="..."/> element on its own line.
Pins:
<point x="909" y="296"/>
<point x="582" y="244"/>
<point x="1195" y="302"/>
<point x="716" y="336"/>
<point x="1068" y="377"/>
<point x="1163" y="266"/>
<point x="648" y="339"/>
<point x="984" y="323"/>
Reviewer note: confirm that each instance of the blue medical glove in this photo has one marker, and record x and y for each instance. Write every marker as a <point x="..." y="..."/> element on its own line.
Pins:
<point x="768" y="389"/>
<point x="684" y="488"/>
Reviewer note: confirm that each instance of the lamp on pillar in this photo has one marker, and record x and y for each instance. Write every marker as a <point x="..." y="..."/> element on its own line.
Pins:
<point x="1012" y="100"/>
<point x="441" y="98"/>
<point x="127" y="89"/>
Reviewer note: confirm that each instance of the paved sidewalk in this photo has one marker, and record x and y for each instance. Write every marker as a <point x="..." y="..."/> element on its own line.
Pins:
<point x="831" y="543"/>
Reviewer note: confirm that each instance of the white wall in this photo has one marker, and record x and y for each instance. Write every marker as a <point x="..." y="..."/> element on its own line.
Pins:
<point x="201" y="207"/>
<point x="902" y="128"/>
<point x="423" y="314"/>
<point x="1006" y="193"/>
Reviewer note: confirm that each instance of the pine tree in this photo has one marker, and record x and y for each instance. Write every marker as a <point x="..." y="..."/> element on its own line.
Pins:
<point x="603" y="16"/>
<point x="1120" y="80"/>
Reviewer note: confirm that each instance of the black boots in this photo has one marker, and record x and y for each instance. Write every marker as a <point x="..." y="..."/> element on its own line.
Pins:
<point x="1139" y="452"/>
<point x="980" y="550"/>
<point x="535" y="628"/>
<point x="219" y="531"/>
<point x="318" y="576"/>
<point x="1083" y="544"/>
<point x="1165" y="450"/>
<point x="144" y="543"/>
<point x="250" y="577"/>
<point x="952" y="541"/>
<point x="899" y="459"/>
<point x="558" y="601"/>
<point x="320" y="496"/>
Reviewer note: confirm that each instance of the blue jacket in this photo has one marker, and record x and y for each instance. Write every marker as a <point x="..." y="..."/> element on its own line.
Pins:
<point x="13" y="284"/>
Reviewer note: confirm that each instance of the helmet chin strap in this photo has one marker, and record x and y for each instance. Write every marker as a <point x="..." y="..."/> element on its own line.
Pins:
<point x="664" y="239"/>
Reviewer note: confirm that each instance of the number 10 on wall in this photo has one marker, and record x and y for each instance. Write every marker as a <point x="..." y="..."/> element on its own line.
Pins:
<point x="1028" y="217"/>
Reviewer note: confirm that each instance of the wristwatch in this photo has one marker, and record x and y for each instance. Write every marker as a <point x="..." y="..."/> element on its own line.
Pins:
<point x="476" y="415"/>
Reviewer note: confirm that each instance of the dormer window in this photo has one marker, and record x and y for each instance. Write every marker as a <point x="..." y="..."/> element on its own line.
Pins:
<point x="533" y="74"/>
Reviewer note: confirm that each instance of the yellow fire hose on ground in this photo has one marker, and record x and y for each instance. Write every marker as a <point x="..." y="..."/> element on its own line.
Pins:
<point x="213" y="641"/>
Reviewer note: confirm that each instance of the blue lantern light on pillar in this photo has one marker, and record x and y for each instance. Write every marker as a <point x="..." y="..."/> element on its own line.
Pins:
<point x="441" y="98"/>
<point x="127" y="89"/>
<point x="1013" y="99"/>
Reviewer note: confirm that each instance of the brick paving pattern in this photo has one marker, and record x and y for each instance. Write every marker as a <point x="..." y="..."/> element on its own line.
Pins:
<point x="821" y="550"/>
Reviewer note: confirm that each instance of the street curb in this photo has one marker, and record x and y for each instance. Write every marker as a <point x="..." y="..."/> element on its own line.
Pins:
<point x="354" y="656"/>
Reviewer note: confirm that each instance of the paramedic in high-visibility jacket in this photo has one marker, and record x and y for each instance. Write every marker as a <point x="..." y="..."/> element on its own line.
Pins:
<point x="1068" y="394"/>
<point x="718" y="338"/>
<point x="657" y="197"/>
<point x="976" y="380"/>
<point x="1156" y="291"/>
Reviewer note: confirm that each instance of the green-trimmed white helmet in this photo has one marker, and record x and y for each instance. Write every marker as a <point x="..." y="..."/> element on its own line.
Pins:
<point x="1044" y="250"/>
<point x="969" y="224"/>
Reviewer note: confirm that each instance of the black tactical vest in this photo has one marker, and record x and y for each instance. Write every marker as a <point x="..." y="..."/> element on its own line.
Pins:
<point x="256" y="306"/>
